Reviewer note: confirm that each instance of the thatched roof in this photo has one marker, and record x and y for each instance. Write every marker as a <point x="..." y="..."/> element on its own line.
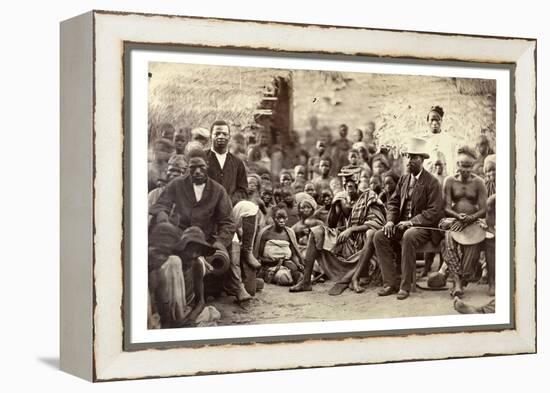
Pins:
<point x="398" y="104"/>
<point x="190" y="95"/>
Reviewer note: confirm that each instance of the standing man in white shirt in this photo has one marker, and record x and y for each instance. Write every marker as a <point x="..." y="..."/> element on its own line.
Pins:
<point x="223" y="166"/>
<point x="230" y="172"/>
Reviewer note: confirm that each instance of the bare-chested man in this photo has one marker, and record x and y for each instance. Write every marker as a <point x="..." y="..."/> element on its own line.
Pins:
<point x="465" y="197"/>
<point x="323" y="181"/>
<point x="315" y="160"/>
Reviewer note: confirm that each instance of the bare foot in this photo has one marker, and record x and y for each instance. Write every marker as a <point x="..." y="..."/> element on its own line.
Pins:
<point x="300" y="287"/>
<point x="189" y="319"/>
<point x="464" y="308"/>
<point x="457" y="288"/>
<point x="457" y="293"/>
<point x="355" y="286"/>
<point x="337" y="289"/>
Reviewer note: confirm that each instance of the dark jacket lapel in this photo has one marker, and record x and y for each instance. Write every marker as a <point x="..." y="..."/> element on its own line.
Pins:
<point x="213" y="161"/>
<point x="419" y="190"/>
<point x="403" y="192"/>
<point x="188" y="189"/>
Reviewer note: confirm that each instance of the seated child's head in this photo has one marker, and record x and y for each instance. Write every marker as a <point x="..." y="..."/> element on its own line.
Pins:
<point x="299" y="172"/>
<point x="287" y="196"/>
<point x="353" y="156"/>
<point x="163" y="149"/>
<point x="335" y="185"/>
<point x="364" y="182"/>
<point x="326" y="197"/>
<point x="305" y="209"/>
<point x="254" y="184"/>
<point x="298" y="186"/>
<point x="375" y="184"/>
<point x="267" y="194"/>
<point x="309" y="188"/>
<point x="390" y="182"/>
<point x="280" y="217"/>
<point x="380" y="165"/>
<point x="285" y="178"/>
<point x="277" y="195"/>
<point x="266" y="178"/>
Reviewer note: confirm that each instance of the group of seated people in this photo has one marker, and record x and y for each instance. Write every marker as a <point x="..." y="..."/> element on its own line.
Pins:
<point x="229" y="218"/>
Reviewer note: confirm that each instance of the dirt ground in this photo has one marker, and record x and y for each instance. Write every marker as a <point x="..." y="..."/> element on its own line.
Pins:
<point x="275" y="304"/>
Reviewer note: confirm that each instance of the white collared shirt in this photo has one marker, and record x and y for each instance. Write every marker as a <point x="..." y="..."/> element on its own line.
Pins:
<point x="198" y="191"/>
<point x="416" y="177"/>
<point x="221" y="158"/>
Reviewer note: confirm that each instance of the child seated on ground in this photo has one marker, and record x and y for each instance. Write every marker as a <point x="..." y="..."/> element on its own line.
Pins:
<point x="277" y="250"/>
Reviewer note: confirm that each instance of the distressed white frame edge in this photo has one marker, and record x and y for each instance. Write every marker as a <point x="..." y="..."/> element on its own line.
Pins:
<point x="76" y="175"/>
<point x="111" y="30"/>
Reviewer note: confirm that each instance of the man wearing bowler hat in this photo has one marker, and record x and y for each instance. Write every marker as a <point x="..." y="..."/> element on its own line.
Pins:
<point x="416" y="205"/>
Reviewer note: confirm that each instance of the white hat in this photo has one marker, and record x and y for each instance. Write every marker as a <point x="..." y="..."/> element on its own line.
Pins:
<point x="417" y="146"/>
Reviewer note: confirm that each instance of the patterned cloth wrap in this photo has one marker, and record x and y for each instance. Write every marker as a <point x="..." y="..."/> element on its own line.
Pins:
<point x="367" y="210"/>
<point x="451" y="250"/>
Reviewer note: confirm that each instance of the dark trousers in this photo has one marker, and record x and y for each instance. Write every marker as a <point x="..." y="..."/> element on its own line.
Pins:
<point x="411" y="240"/>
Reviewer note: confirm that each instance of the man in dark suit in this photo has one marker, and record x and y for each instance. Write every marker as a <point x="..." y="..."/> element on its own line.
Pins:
<point x="224" y="167"/>
<point x="229" y="171"/>
<point x="416" y="202"/>
<point x="201" y="202"/>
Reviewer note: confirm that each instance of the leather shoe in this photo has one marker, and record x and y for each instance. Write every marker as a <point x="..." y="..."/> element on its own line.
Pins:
<point x="402" y="294"/>
<point x="386" y="291"/>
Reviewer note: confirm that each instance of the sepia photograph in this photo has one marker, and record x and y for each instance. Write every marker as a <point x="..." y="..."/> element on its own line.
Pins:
<point x="275" y="197"/>
<point x="252" y="196"/>
<point x="284" y="196"/>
